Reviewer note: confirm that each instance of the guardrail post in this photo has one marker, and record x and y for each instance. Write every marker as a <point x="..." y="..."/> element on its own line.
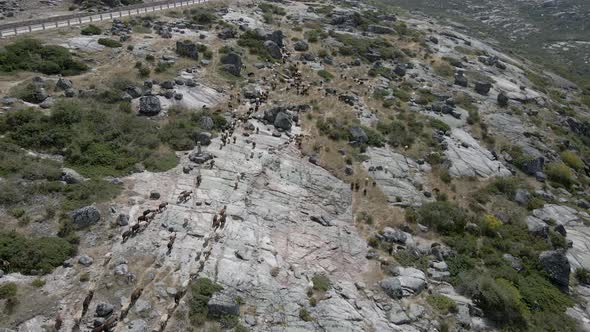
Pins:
<point x="90" y="18"/>
<point x="1" y="34"/>
<point x="43" y="25"/>
<point x="15" y="32"/>
<point x="79" y="20"/>
<point x="111" y="15"/>
<point x="101" y="17"/>
<point x="69" y="24"/>
<point x="30" y="28"/>
<point x="56" y="24"/>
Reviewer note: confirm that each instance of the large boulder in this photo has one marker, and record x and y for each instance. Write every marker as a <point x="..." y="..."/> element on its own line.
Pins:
<point x="273" y="49"/>
<point x="232" y="63"/>
<point x="283" y="120"/>
<point x="187" y="48"/>
<point x="461" y="80"/>
<point x="301" y="46"/>
<point x="358" y="135"/>
<point x="407" y="281"/>
<point x="271" y="113"/>
<point x="557" y="267"/>
<point x="537" y="226"/>
<point x="482" y="87"/>
<point x="502" y="100"/>
<point x="86" y="216"/>
<point x="149" y="105"/>
<point x="39" y="94"/>
<point x="104" y="309"/>
<point x="394" y="235"/>
<point x="70" y="176"/>
<point x="277" y="37"/>
<point x="392" y="287"/>
<point x="533" y="166"/>
<point x="221" y="304"/>
<point x="64" y="84"/>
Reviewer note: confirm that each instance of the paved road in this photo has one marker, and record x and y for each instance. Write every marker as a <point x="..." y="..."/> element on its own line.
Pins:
<point x="22" y="27"/>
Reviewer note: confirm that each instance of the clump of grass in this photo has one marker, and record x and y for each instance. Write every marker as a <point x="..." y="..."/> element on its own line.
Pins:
<point x="108" y="42"/>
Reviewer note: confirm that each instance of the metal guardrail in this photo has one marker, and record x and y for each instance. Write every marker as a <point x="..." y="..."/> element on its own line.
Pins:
<point x="22" y="27"/>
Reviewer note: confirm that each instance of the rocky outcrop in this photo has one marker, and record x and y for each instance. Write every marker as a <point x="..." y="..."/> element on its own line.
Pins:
<point x="273" y="49"/>
<point x="222" y="304"/>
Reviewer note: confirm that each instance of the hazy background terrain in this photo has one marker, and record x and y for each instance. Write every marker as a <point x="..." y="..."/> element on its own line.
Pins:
<point x="554" y="33"/>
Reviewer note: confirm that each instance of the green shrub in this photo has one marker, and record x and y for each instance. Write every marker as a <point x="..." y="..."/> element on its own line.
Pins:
<point x="255" y="45"/>
<point x="305" y="315"/>
<point x="571" y="159"/>
<point x="91" y="30"/>
<point x="108" y="42"/>
<point x="17" y="212"/>
<point x="268" y="8"/>
<point x="442" y="303"/>
<point x="443" y="69"/>
<point x="321" y="282"/>
<point x="144" y="71"/>
<point x="8" y="290"/>
<point x="27" y="254"/>
<point x="445" y="217"/>
<point x="326" y="75"/>
<point x="499" y="299"/>
<point x="38" y="283"/>
<point x="201" y="291"/>
<point x="31" y="55"/>
<point x="583" y="276"/>
<point x="560" y="173"/>
<point x="439" y="125"/>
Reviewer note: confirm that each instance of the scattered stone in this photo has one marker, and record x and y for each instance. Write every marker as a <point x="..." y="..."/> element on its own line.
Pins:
<point x="154" y="195"/>
<point x="70" y="176"/>
<point x="187" y="48"/>
<point x="273" y="49"/>
<point x="301" y="46"/>
<point x="232" y="63"/>
<point x="123" y="219"/>
<point x="482" y="88"/>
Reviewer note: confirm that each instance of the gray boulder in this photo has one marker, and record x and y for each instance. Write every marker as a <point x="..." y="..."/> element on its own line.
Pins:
<point x="273" y="49"/>
<point x="64" y="84"/>
<point x="515" y="262"/>
<point x="167" y="85"/>
<point x="502" y="100"/>
<point x="134" y="91"/>
<point x="104" y="309"/>
<point x="123" y="219"/>
<point x="85" y="260"/>
<point x="393" y="235"/>
<point x="522" y="196"/>
<point x="221" y="304"/>
<point x="358" y="135"/>
<point x="533" y="166"/>
<point x="232" y="63"/>
<point x="301" y="46"/>
<point x="461" y="80"/>
<point x="283" y="120"/>
<point x="86" y="216"/>
<point x="482" y="87"/>
<point x="537" y="226"/>
<point x="557" y="267"/>
<point x="154" y="195"/>
<point x="277" y="37"/>
<point x="39" y="95"/>
<point x="149" y="105"/>
<point x="70" y="176"/>
<point x="392" y="287"/>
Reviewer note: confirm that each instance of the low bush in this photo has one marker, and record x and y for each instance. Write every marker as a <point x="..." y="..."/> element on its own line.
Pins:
<point x="34" y="254"/>
<point x="8" y="290"/>
<point x="305" y="315"/>
<point x="326" y="75"/>
<point x="201" y="291"/>
<point x="108" y="42"/>
<point x="441" y="303"/>
<point x="445" y="217"/>
<point x="321" y="282"/>
<point x="582" y="275"/>
<point x="38" y="283"/>
<point x="571" y="159"/>
<point x="560" y="173"/>
<point x="31" y="55"/>
<point x="91" y="30"/>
